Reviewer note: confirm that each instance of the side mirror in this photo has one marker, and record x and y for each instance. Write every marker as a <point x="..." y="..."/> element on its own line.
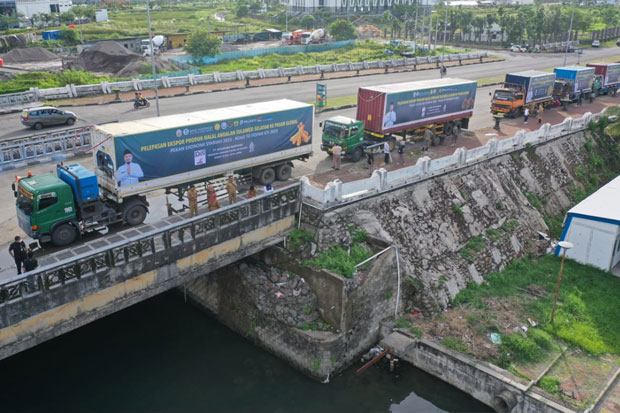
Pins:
<point x="490" y="94"/>
<point x="320" y="124"/>
<point x="13" y="186"/>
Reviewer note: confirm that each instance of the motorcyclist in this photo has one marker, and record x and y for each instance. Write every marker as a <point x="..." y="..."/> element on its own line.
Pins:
<point x="139" y="99"/>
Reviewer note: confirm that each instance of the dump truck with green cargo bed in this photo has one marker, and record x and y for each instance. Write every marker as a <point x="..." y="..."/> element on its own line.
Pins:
<point x="170" y="152"/>
<point x="404" y="109"/>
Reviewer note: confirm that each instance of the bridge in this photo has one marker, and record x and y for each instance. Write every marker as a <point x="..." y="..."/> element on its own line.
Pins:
<point x="105" y="275"/>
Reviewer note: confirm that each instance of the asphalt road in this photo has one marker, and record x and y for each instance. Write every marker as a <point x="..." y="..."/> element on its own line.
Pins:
<point x="11" y="126"/>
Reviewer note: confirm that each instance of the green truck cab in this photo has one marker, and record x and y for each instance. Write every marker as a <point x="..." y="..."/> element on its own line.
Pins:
<point x="44" y="204"/>
<point x="346" y="132"/>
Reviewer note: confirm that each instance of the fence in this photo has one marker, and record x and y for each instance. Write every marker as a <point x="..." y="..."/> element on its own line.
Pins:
<point x="337" y="193"/>
<point x="244" y="54"/>
<point x="165" y="81"/>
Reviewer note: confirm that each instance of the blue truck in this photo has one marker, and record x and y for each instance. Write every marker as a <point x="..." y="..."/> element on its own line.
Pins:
<point x="170" y="152"/>
<point x="573" y="81"/>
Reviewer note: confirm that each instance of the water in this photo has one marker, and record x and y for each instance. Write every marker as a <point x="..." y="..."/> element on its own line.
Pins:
<point x="166" y="355"/>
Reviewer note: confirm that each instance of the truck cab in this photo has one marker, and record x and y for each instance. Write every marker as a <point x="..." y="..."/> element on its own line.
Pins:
<point x="347" y="132"/>
<point x="44" y="203"/>
<point x="509" y="100"/>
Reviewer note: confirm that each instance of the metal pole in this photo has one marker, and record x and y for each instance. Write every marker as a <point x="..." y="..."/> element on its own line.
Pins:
<point x="286" y="17"/>
<point x="415" y="28"/>
<point x="397" y="272"/>
<point x="570" y="29"/>
<point x="148" y="16"/>
<point x="445" y="29"/>
<point x="557" y="288"/>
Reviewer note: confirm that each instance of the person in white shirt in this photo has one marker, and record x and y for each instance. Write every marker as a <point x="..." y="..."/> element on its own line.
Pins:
<point x="129" y="173"/>
<point x="526" y="114"/>
<point x="390" y="117"/>
<point x="386" y="153"/>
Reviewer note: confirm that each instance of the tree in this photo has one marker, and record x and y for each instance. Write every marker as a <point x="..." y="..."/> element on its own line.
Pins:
<point x="201" y="44"/>
<point x="308" y="21"/>
<point x="68" y="36"/>
<point x="342" y="30"/>
<point x="67" y="17"/>
<point x="242" y="11"/>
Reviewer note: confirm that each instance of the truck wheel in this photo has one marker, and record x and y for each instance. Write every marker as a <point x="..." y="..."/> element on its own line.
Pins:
<point x="266" y="176"/>
<point x="356" y="155"/>
<point x="284" y="172"/>
<point x="135" y="214"/>
<point x="63" y="235"/>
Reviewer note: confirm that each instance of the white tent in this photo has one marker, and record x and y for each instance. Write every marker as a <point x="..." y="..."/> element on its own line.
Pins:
<point x="593" y="226"/>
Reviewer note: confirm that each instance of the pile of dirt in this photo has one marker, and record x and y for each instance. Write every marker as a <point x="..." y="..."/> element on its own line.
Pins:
<point x="29" y="54"/>
<point x="111" y="58"/>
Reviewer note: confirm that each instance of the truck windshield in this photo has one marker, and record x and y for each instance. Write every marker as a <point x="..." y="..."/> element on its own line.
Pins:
<point x="335" y="130"/>
<point x="24" y="203"/>
<point x="502" y="95"/>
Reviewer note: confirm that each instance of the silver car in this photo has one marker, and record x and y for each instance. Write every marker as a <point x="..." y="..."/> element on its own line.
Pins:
<point x="46" y="116"/>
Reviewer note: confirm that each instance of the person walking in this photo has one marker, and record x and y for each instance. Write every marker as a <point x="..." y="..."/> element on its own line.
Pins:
<point x="526" y="114"/>
<point x="212" y="198"/>
<point x="540" y="113"/>
<point x="371" y="162"/>
<point x="386" y="153"/>
<point x="336" y="156"/>
<point x="231" y="188"/>
<point x="443" y="71"/>
<point x="455" y="134"/>
<point x="18" y="251"/>
<point x="580" y="99"/>
<point x="251" y="192"/>
<point x="192" y="197"/>
<point x="428" y="139"/>
<point x="30" y="263"/>
<point x="401" y="152"/>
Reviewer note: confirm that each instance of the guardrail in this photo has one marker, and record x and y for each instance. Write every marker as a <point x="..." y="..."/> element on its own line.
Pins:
<point x="338" y="193"/>
<point x="31" y="148"/>
<point x="164" y="81"/>
<point x="168" y="244"/>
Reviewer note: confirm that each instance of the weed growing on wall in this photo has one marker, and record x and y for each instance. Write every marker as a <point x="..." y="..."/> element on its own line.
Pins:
<point x="340" y="260"/>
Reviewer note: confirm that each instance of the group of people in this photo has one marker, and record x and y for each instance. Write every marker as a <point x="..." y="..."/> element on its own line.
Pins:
<point x="212" y="201"/>
<point x="539" y="114"/>
<point x="23" y="256"/>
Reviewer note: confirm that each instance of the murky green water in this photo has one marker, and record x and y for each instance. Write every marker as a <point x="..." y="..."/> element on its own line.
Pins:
<point x="166" y="355"/>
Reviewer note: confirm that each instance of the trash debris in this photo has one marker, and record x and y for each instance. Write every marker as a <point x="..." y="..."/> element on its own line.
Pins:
<point x="490" y="134"/>
<point x="296" y="293"/>
<point x="524" y="328"/>
<point x="542" y="235"/>
<point x="532" y="322"/>
<point x="495" y="338"/>
<point x="279" y="294"/>
<point x="280" y="284"/>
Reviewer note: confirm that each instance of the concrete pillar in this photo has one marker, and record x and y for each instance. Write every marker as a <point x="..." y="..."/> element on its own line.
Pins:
<point x="492" y="146"/>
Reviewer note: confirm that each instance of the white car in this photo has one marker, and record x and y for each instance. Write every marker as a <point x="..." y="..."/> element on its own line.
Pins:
<point x="515" y="48"/>
<point x="596" y="43"/>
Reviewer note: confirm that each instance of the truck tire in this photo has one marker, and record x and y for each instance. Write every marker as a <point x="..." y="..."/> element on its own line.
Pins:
<point x="283" y="172"/>
<point x="356" y="155"/>
<point x="63" y="234"/>
<point x="266" y="176"/>
<point x="135" y="214"/>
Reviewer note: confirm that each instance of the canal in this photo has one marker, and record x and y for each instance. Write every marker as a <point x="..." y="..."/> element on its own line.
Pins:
<point x="168" y="355"/>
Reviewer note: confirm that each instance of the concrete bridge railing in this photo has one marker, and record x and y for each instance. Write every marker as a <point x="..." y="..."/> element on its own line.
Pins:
<point x="59" y="297"/>
<point x="338" y="193"/>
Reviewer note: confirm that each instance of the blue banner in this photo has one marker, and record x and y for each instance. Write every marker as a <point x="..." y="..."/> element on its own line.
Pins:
<point x="403" y="108"/>
<point x="163" y="153"/>
<point x="612" y="75"/>
<point x="540" y="87"/>
<point x="584" y="80"/>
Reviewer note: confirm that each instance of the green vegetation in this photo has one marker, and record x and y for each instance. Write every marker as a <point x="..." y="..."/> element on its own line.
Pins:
<point x="402" y="322"/>
<point x="298" y="237"/>
<point x="587" y="315"/>
<point x="550" y="384"/>
<point x="338" y="260"/>
<point x="342" y="30"/>
<point x="493" y="234"/>
<point x="25" y="81"/>
<point x="473" y="246"/>
<point x="201" y="44"/>
<point x="455" y="344"/>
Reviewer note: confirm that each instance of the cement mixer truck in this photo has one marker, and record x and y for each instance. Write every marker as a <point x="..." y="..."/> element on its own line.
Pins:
<point x="317" y="36"/>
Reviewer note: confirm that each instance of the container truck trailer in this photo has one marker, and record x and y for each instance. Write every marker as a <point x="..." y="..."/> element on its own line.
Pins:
<point x="606" y="77"/>
<point x="170" y="152"/>
<point x="523" y="89"/>
<point x="573" y="81"/>
<point x="404" y="109"/>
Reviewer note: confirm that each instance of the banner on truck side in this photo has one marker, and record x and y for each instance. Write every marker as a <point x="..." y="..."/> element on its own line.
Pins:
<point x="612" y="75"/>
<point x="584" y="79"/>
<point x="541" y="87"/>
<point x="165" y="153"/>
<point x="408" y="107"/>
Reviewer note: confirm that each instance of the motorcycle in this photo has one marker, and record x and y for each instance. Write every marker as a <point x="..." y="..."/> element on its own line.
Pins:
<point x="141" y="103"/>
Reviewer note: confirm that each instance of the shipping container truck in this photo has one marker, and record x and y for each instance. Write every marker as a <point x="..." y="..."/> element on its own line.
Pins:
<point x="523" y="89"/>
<point x="606" y="77"/>
<point x="170" y="152"/>
<point x="573" y="81"/>
<point x="404" y="109"/>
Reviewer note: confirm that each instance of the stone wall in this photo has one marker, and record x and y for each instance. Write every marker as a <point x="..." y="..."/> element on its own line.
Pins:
<point x="458" y="227"/>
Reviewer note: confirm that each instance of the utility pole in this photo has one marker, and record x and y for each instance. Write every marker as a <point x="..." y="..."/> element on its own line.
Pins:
<point x="415" y="27"/>
<point x="570" y="29"/>
<point x="148" y="16"/>
<point x="445" y="29"/>
<point x="208" y="25"/>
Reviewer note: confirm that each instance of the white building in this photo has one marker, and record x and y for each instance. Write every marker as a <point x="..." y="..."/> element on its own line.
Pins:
<point x="593" y="226"/>
<point x="31" y="7"/>
<point x="353" y="5"/>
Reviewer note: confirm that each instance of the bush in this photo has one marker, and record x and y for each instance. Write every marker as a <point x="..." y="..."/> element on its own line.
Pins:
<point x="338" y="260"/>
<point x="550" y="384"/>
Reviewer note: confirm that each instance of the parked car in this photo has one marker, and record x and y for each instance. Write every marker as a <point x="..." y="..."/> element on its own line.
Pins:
<point x="618" y="42"/>
<point x="515" y="48"/>
<point x="47" y="116"/>
<point x="596" y="43"/>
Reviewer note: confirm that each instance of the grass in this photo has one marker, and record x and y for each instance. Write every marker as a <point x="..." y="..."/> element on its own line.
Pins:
<point x="455" y="344"/>
<point x="43" y="80"/>
<point x="338" y="260"/>
<point x="297" y="238"/>
<point x="473" y="246"/>
<point x="587" y="315"/>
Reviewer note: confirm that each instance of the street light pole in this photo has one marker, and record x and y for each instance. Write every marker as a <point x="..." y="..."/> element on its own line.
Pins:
<point x="564" y="245"/>
<point x="445" y="29"/>
<point x="148" y="16"/>
<point x="570" y="29"/>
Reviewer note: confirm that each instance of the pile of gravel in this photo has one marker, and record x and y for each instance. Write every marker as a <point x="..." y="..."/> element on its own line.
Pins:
<point x="108" y="57"/>
<point x="29" y="54"/>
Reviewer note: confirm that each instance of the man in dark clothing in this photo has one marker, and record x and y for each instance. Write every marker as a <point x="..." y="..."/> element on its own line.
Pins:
<point x="18" y="251"/>
<point x="30" y="263"/>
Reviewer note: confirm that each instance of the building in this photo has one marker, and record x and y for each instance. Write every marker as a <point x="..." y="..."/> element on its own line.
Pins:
<point x="101" y="15"/>
<point x="351" y="5"/>
<point x="31" y="7"/>
<point x="593" y="227"/>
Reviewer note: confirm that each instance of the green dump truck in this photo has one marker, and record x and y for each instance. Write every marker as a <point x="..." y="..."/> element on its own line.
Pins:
<point x="403" y="109"/>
